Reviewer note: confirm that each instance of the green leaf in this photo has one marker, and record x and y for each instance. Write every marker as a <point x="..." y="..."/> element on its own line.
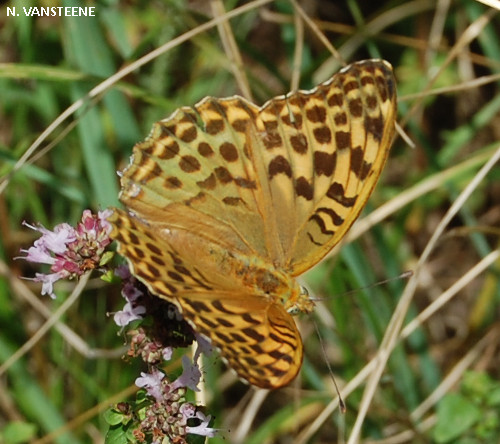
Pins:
<point x="476" y="385"/>
<point x="106" y="258"/>
<point x="118" y="434"/>
<point x="489" y="427"/>
<point x="18" y="432"/>
<point x="493" y="397"/>
<point x="113" y="417"/>
<point x="455" y="415"/>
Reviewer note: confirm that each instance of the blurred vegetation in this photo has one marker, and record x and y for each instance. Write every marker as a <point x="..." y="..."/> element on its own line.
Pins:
<point x="446" y="56"/>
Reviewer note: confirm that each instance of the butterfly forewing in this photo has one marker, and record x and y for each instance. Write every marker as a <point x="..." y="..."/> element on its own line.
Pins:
<point x="322" y="152"/>
<point x="228" y="201"/>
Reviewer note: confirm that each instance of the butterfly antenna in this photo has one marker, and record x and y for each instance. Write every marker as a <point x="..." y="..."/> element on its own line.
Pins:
<point x="342" y="406"/>
<point x="323" y="350"/>
<point x="404" y="275"/>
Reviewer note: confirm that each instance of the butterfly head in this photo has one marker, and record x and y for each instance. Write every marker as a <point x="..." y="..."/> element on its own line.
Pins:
<point x="300" y="302"/>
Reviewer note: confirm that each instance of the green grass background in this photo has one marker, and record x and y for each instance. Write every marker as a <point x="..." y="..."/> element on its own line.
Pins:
<point x="446" y="57"/>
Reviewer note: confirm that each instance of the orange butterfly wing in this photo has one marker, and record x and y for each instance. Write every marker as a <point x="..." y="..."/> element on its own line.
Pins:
<point x="230" y="201"/>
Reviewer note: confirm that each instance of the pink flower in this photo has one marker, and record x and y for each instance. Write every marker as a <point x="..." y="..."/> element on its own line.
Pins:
<point x="169" y="414"/>
<point x="130" y="291"/>
<point x="51" y="242"/>
<point x="190" y="377"/>
<point x="69" y="251"/>
<point x="190" y="411"/>
<point x="128" y="314"/>
<point x="152" y="382"/>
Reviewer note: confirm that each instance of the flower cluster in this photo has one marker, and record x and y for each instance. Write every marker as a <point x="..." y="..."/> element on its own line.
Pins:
<point x="69" y="251"/>
<point x="163" y="412"/>
<point x="168" y="415"/>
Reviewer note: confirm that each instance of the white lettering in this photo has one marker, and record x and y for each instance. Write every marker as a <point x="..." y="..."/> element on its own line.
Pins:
<point x="47" y="11"/>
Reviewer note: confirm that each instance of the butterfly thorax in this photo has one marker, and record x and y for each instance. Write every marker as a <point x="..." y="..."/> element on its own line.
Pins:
<point x="276" y="285"/>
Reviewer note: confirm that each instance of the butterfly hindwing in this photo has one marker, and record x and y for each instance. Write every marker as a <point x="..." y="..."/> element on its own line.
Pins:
<point x="257" y="338"/>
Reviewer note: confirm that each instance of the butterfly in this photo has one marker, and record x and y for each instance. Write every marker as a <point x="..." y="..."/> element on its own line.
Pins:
<point x="227" y="203"/>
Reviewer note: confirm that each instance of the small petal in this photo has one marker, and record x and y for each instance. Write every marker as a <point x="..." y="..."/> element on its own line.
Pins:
<point x="57" y="240"/>
<point x="130" y="292"/>
<point x="167" y="353"/>
<point x="190" y="377"/>
<point x="128" y="314"/>
<point x="187" y="410"/>
<point x="123" y="272"/>
<point x="48" y="282"/>
<point x="103" y="219"/>
<point x="204" y="346"/>
<point x="37" y="254"/>
<point x="202" y="429"/>
<point x="89" y="223"/>
<point x="152" y="382"/>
